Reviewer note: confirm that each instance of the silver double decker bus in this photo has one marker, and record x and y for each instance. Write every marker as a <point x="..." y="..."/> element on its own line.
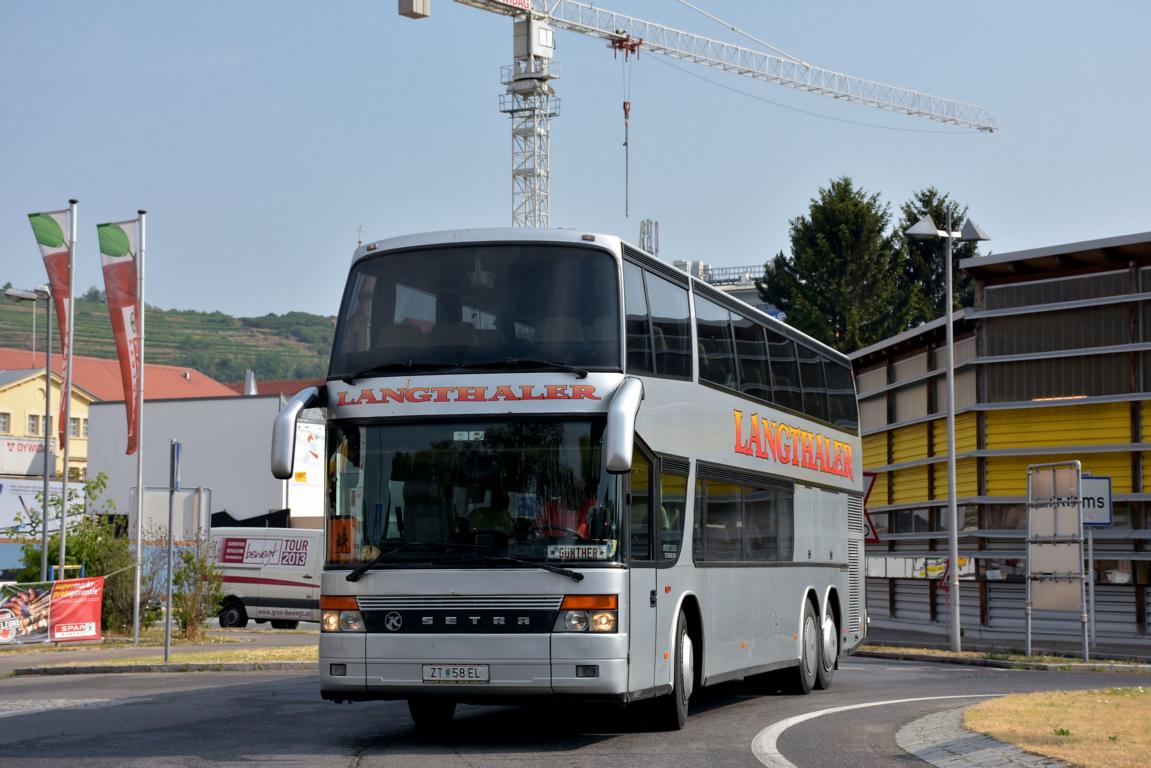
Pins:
<point x="557" y="466"/>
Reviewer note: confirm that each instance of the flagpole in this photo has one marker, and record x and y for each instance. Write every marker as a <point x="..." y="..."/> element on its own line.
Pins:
<point x="140" y="231"/>
<point x="65" y="432"/>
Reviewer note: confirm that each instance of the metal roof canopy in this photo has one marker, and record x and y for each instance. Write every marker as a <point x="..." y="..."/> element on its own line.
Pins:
<point x="1085" y="256"/>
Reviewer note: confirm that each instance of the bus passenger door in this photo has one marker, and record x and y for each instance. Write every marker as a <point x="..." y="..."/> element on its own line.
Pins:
<point x="642" y="619"/>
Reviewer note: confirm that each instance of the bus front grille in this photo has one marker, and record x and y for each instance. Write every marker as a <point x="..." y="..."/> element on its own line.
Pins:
<point x="459" y="602"/>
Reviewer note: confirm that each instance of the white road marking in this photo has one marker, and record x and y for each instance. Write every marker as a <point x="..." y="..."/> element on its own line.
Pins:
<point x="763" y="746"/>
<point x="34" y="706"/>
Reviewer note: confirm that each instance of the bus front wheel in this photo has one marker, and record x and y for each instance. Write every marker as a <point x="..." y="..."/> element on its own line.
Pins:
<point x="673" y="708"/>
<point x="431" y="711"/>
<point x="804" y="676"/>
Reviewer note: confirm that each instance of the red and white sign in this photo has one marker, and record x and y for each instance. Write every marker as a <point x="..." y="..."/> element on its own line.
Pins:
<point x="75" y="609"/>
<point x="21" y="456"/>
<point x="51" y="611"/>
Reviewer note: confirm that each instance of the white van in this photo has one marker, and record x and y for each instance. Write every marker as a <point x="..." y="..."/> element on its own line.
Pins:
<point x="269" y="574"/>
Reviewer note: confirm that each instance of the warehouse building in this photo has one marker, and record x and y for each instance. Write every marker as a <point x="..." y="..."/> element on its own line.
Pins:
<point x="1053" y="363"/>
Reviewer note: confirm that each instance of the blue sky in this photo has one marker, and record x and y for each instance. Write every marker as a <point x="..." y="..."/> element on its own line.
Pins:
<point x="261" y="134"/>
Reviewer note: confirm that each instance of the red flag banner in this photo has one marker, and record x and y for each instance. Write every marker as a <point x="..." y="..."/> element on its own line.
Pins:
<point x="51" y="612"/>
<point x="49" y="229"/>
<point x="118" y="249"/>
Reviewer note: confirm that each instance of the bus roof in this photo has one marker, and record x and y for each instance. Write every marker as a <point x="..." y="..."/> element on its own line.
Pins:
<point x="581" y="237"/>
<point x="488" y="235"/>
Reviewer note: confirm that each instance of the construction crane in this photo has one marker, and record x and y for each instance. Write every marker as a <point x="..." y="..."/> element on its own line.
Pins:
<point x="531" y="99"/>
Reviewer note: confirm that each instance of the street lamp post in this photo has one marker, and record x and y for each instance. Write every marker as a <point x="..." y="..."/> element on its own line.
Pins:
<point x="22" y="295"/>
<point x="925" y="229"/>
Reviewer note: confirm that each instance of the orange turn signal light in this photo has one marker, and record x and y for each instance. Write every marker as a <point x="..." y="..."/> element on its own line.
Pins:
<point x="338" y="603"/>
<point x="589" y="602"/>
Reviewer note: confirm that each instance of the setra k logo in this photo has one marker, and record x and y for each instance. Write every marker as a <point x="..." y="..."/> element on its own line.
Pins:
<point x="393" y="621"/>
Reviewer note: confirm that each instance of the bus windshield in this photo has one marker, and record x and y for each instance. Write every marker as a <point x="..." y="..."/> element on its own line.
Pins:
<point x="437" y="309"/>
<point x="479" y="491"/>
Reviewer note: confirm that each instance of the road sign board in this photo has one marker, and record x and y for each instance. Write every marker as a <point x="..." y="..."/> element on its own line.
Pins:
<point x="1095" y="498"/>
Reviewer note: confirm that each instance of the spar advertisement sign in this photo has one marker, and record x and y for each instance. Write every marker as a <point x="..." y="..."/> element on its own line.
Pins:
<point x="51" y="612"/>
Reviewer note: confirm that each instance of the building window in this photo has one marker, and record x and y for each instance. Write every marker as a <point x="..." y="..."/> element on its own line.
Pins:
<point x="1113" y="572"/>
<point x="5" y="423"/>
<point x="74" y="427"/>
<point x="1056" y="378"/>
<point x="33" y="424"/>
<point x="1008" y="517"/>
<point x="84" y="428"/>
<point x="1011" y="569"/>
<point x="910" y="521"/>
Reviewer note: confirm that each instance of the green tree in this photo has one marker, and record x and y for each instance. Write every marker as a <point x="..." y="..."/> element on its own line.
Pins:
<point x="921" y="282"/>
<point x="94" y="294"/>
<point x="95" y="542"/>
<point x="197" y="590"/>
<point x="838" y="284"/>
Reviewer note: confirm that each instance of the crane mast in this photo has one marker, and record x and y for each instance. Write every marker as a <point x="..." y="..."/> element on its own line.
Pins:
<point x="531" y="102"/>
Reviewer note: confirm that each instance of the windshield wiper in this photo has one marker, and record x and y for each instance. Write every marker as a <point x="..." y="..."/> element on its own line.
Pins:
<point x="573" y="575"/>
<point x="439" y="546"/>
<point x="529" y="362"/>
<point x="405" y="366"/>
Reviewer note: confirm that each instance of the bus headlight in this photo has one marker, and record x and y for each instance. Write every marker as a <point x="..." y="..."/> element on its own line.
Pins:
<point x="603" y="621"/>
<point x="342" y="621"/>
<point x="588" y="613"/>
<point x="340" y="614"/>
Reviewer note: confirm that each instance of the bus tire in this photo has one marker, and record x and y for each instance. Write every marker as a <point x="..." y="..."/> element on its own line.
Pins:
<point x="284" y="624"/>
<point x="804" y="675"/>
<point x="233" y="615"/>
<point x="828" y="650"/>
<point x="673" y="708"/>
<point x="430" y="712"/>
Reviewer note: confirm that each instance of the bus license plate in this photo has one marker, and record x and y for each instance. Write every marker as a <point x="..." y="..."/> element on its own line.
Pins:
<point x="455" y="673"/>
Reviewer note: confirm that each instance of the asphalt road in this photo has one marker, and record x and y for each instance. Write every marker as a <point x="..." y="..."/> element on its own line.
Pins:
<point x="224" y="719"/>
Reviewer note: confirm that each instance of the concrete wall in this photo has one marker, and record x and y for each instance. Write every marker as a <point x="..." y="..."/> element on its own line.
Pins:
<point x="226" y="446"/>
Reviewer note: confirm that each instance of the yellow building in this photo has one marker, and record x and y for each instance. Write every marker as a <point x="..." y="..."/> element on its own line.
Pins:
<point x="1052" y="363"/>
<point x="22" y="424"/>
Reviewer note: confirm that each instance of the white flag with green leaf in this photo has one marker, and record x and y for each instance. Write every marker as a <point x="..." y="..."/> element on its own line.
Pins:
<point x="49" y="228"/>
<point x="118" y="250"/>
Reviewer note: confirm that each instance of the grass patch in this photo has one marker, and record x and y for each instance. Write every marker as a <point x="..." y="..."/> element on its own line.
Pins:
<point x="295" y="653"/>
<point x="1105" y="728"/>
<point x="147" y="640"/>
<point x="991" y="655"/>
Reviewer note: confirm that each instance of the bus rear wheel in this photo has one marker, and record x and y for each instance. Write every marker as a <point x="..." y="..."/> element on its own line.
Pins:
<point x="828" y="650"/>
<point x="804" y="676"/>
<point x="672" y="709"/>
<point x="431" y="711"/>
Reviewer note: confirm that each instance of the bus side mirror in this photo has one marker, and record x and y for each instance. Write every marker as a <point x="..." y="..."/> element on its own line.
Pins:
<point x="619" y="442"/>
<point x="284" y="431"/>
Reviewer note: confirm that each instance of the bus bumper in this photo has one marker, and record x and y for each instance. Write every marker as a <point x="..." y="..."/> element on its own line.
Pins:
<point x="517" y="665"/>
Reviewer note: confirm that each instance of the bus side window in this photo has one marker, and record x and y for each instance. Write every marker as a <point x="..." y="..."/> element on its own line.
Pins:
<point x="671" y="327"/>
<point x="716" y="355"/>
<point x="672" y="501"/>
<point x="639" y="495"/>
<point x="638" y="326"/>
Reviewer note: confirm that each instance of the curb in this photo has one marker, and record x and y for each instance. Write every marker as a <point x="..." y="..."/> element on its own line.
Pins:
<point x="94" y="669"/>
<point x="941" y="740"/>
<point x="1004" y="664"/>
